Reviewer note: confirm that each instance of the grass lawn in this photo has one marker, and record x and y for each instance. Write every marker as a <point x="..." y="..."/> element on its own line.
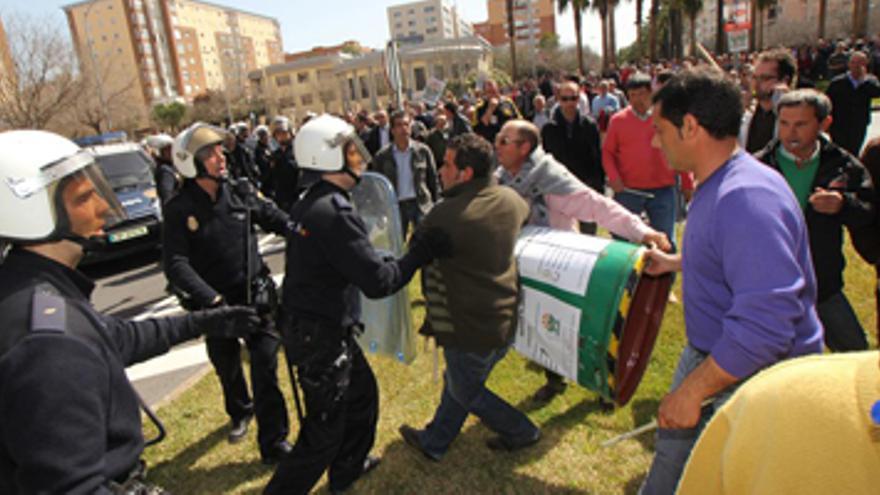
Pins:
<point x="195" y="458"/>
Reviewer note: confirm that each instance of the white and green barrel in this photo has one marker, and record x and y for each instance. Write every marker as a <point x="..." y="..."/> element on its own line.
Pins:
<point x="586" y="310"/>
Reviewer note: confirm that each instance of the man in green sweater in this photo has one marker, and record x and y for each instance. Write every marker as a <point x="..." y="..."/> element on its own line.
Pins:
<point x="472" y="299"/>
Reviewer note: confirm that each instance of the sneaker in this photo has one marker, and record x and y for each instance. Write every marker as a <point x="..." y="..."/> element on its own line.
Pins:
<point x="239" y="429"/>
<point x="278" y="451"/>
<point x="412" y="437"/>
<point x="511" y="444"/>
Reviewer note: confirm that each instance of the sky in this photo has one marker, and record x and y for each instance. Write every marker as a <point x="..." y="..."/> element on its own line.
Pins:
<point x="306" y="23"/>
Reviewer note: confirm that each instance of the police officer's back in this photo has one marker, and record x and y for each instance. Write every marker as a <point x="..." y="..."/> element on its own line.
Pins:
<point x="329" y="257"/>
<point x="69" y="418"/>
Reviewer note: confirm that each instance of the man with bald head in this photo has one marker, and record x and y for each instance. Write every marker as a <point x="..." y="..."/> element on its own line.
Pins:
<point x="851" y="94"/>
<point x="559" y="200"/>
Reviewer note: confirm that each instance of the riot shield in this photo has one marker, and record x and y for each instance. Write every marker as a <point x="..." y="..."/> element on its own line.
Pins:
<point x="388" y="321"/>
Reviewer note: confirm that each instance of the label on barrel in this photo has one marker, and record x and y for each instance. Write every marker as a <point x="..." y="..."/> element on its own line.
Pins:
<point x="548" y="332"/>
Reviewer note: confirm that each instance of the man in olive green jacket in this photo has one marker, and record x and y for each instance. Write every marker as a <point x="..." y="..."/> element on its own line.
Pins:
<point x="472" y="299"/>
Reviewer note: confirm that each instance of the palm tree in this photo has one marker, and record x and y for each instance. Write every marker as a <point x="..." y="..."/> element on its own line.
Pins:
<point x="639" y="7"/>
<point x="579" y="6"/>
<point x="692" y="8"/>
<point x="719" y="27"/>
<point x="860" y="18"/>
<point x="511" y="35"/>
<point x="652" y="30"/>
<point x="612" y="32"/>
<point x="602" y="7"/>
<point x="823" y="8"/>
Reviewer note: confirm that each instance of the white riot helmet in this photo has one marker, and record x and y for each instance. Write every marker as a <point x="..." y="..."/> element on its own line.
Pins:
<point x="321" y="142"/>
<point x="32" y="167"/>
<point x="159" y="141"/>
<point x="189" y="142"/>
<point x="280" y="123"/>
<point x="261" y="129"/>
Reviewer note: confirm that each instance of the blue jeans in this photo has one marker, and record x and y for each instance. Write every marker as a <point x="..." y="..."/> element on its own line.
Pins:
<point x="673" y="447"/>
<point x="660" y="208"/>
<point x="843" y="332"/>
<point x="464" y="392"/>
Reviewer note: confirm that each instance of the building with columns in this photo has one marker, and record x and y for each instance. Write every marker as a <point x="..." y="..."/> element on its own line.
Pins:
<point x="343" y="82"/>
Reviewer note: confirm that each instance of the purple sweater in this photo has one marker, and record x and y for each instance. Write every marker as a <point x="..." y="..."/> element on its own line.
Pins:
<point x="748" y="282"/>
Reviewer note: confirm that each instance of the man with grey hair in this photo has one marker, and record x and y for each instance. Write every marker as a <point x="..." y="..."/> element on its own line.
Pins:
<point x="834" y="190"/>
<point x="851" y="94"/>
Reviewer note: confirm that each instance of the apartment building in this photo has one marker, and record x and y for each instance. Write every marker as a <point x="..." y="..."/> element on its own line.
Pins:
<point x="344" y="82"/>
<point x="532" y="19"/>
<point x="171" y="49"/>
<point x="427" y="20"/>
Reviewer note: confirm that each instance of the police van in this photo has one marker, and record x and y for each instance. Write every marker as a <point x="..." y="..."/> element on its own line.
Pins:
<point x="130" y="172"/>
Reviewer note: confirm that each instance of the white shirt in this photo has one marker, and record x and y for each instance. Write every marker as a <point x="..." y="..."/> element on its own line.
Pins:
<point x="403" y="159"/>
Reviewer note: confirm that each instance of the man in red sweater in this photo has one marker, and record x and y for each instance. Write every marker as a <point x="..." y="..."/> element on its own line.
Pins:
<point x="636" y="170"/>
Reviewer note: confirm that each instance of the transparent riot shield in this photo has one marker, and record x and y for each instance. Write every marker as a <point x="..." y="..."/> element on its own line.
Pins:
<point x="388" y="321"/>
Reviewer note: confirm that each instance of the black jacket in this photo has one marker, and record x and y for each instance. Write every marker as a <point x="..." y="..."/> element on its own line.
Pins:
<point x="69" y="417"/>
<point x="424" y="172"/>
<point x="578" y="150"/>
<point x="167" y="181"/>
<point x="329" y="257"/>
<point x="203" y="241"/>
<point x="840" y="171"/>
<point x="851" y="110"/>
<point x="285" y="177"/>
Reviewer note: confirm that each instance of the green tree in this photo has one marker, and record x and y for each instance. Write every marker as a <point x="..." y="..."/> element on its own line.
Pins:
<point x="169" y="115"/>
<point x="692" y="8"/>
<point x="511" y="35"/>
<point x="578" y="6"/>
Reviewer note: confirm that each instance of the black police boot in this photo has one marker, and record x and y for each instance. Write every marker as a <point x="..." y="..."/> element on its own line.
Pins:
<point x="239" y="429"/>
<point x="370" y="463"/>
<point x="278" y="451"/>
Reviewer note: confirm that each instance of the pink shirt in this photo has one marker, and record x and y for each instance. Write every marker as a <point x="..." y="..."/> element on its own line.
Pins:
<point x="590" y="206"/>
<point x="628" y="154"/>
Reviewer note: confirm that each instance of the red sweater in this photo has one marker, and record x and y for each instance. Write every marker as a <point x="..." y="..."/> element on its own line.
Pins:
<point x="627" y="154"/>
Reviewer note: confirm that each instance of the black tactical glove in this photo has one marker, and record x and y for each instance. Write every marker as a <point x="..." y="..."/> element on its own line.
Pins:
<point x="227" y="321"/>
<point x="429" y="244"/>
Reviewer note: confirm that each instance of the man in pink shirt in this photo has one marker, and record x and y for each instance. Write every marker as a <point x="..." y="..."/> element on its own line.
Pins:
<point x="637" y="172"/>
<point x="559" y="200"/>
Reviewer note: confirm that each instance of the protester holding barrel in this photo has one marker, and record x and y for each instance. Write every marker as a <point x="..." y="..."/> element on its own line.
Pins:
<point x="750" y="299"/>
<point x="558" y="199"/>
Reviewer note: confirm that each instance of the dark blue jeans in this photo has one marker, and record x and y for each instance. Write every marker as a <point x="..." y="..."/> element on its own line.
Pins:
<point x="410" y="214"/>
<point x="465" y="392"/>
<point x="843" y="332"/>
<point x="660" y="208"/>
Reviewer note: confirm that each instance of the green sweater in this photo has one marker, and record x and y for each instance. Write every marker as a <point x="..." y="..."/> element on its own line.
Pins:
<point x="472" y="296"/>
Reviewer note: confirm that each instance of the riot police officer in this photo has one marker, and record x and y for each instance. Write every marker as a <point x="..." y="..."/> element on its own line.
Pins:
<point x="285" y="172"/>
<point x="69" y="417"/>
<point x="211" y="257"/>
<point x="167" y="178"/>
<point x="329" y="258"/>
<point x="262" y="157"/>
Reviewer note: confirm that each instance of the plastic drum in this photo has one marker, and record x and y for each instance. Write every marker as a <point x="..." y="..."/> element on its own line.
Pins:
<point x="586" y="311"/>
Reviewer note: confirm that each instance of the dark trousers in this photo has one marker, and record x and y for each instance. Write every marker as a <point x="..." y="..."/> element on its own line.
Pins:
<point x="410" y="214"/>
<point x="843" y="332"/>
<point x="268" y="404"/>
<point x="850" y="138"/>
<point x="339" y="440"/>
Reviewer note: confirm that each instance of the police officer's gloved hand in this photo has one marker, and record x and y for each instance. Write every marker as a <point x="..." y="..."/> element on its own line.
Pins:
<point x="227" y="321"/>
<point x="428" y="244"/>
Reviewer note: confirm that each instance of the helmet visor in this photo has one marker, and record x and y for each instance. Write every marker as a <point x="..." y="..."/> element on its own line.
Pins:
<point x="116" y="213"/>
<point x="354" y="153"/>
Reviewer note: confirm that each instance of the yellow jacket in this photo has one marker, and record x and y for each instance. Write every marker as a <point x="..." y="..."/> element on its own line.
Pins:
<point x="801" y="427"/>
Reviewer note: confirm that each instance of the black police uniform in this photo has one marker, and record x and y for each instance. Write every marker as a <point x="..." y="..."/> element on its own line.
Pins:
<point x="204" y="256"/>
<point x="167" y="180"/>
<point x="69" y="418"/>
<point x="285" y="177"/>
<point x="262" y="160"/>
<point x="241" y="164"/>
<point x="505" y="111"/>
<point x="329" y="257"/>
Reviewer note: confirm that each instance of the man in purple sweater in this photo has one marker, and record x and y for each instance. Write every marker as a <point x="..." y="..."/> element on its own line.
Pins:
<point x="748" y="283"/>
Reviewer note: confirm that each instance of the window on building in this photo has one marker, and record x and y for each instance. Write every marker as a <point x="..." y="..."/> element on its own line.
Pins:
<point x="397" y="14"/>
<point x="302" y="77"/>
<point x="429" y="8"/>
<point x="431" y="30"/>
<point x="351" y="94"/>
<point x="421" y="80"/>
<point x="411" y="23"/>
<point x="365" y="86"/>
<point x="455" y="73"/>
<point x="306" y="99"/>
<point x="282" y="80"/>
<point x="439" y="72"/>
<point x="398" y="25"/>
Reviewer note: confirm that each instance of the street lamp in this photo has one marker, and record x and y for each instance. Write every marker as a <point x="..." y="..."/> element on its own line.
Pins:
<point x="98" y="84"/>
